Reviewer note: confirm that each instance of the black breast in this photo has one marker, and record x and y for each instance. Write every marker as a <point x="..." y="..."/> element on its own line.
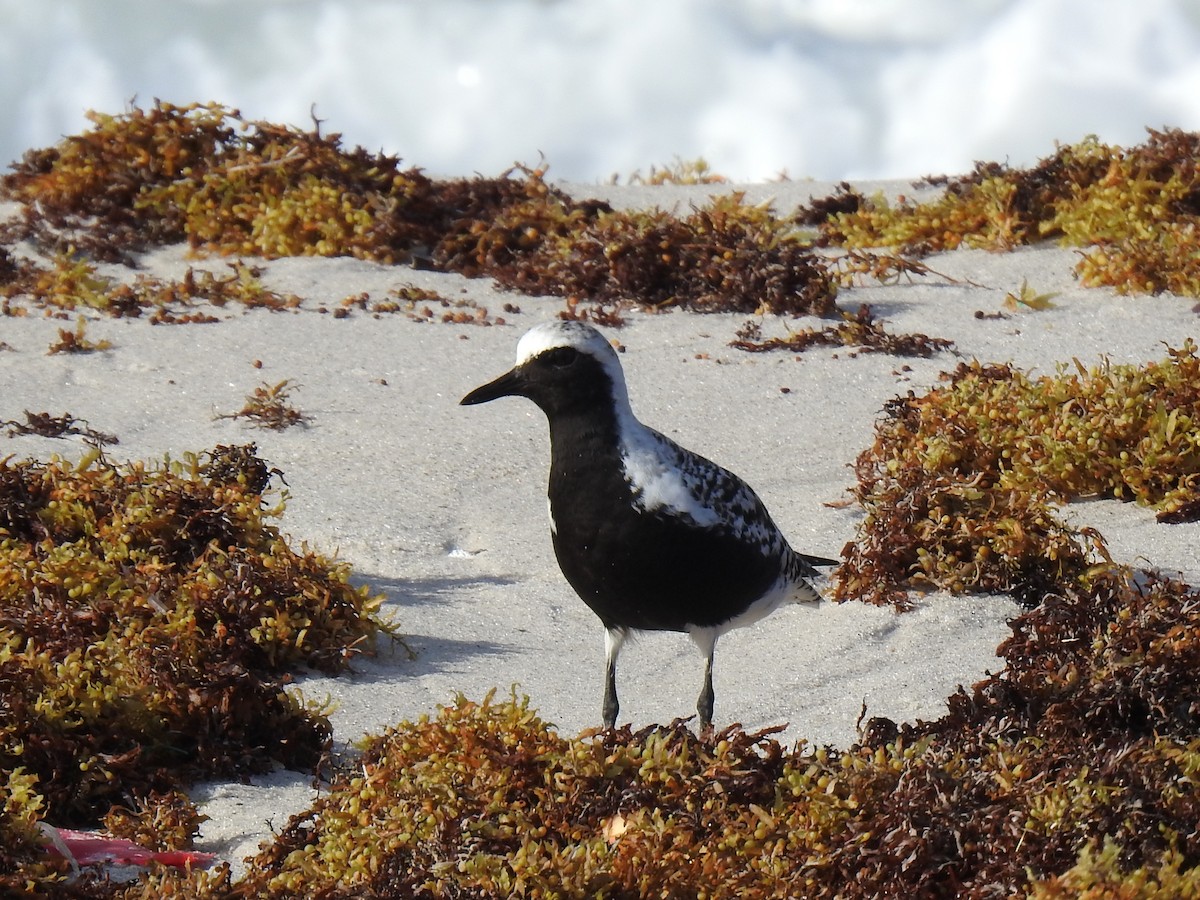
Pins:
<point x="638" y="569"/>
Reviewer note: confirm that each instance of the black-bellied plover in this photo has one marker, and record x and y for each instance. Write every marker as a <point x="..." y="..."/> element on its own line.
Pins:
<point x="650" y="535"/>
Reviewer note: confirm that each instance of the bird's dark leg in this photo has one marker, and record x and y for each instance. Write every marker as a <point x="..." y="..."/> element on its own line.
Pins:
<point x="613" y="639"/>
<point x="704" y="705"/>
<point x="611" y="706"/>
<point x="707" y="642"/>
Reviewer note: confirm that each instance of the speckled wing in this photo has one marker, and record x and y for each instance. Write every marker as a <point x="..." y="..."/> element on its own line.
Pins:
<point x="719" y="499"/>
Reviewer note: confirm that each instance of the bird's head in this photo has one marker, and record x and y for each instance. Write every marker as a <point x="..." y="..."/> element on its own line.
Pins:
<point x="562" y="367"/>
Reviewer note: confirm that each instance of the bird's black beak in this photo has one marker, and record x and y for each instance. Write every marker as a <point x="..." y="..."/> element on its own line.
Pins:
<point x="510" y="384"/>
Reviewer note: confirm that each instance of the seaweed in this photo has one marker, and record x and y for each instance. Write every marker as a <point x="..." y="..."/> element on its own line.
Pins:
<point x="45" y="425"/>
<point x="845" y="199"/>
<point x="269" y="406"/>
<point x="726" y="256"/>
<point x="885" y="268"/>
<point x="1076" y="764"/>
<point x="77" y="341"/>
<point x="166" y="820"/>
<point x="148" y="619"/>
<point x="203" y="174"/>
<point x="72" y="283"/>
<point x="418" y="305"/>
<point x="859" y="330"/>
<point x="1030" y="299"/>
<point x="1136" y="210"/>
<point x="960" y="485"/>
<point x="681" y="171"/>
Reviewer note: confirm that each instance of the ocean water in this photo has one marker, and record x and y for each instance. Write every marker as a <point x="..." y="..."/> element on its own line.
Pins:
<point x="827" y="89"/>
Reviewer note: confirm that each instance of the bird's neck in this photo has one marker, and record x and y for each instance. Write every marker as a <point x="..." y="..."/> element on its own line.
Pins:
<point x="588" y="446"/>
<point x="584" y="438"/>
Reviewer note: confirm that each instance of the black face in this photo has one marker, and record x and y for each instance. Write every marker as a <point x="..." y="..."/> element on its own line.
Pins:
<point x="558" y="358"/>
<point x="558" y="380"/>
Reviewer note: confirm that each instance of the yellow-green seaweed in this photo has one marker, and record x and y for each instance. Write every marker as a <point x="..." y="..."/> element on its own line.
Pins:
<point x="961" y="483"/>
<point x="1135" y="209"/>
<point x="149" y="615"/>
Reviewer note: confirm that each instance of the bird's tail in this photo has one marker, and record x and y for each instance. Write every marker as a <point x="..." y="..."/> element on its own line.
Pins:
<point x="799" y="568"/>
<point x="803" y="592"/>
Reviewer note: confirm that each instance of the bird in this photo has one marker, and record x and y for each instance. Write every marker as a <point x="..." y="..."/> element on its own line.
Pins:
<point x="651" y="536"/>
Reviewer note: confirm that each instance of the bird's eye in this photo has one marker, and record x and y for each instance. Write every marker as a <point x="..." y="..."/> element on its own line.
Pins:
<point x="560" y="357"/>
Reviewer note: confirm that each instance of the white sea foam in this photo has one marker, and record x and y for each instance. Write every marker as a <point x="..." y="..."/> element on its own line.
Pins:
<point x="820" y="88"/>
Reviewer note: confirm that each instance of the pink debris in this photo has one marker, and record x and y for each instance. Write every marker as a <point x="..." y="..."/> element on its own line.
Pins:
<point x="85" y="848"/>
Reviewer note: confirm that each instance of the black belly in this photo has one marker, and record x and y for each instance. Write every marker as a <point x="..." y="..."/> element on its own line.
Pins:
<point x="652" y="571"/>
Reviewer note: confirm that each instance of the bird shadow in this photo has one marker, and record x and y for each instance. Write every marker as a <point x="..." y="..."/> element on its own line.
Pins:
<point x="412" y="654"/>
<point x="424" y="591"/>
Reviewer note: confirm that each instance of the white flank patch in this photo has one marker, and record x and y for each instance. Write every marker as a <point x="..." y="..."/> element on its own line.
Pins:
<point x="781" y="592"/>
<point x="657" y="481"/>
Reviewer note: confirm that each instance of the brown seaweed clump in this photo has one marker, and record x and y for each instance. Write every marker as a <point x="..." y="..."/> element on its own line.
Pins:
<point x="77" y="341"/>
<point x="269" y="406"/>
<point x="45" y="425"/>
<point x="148" y="620"/>
<point x="73" y="284"/>
<point x="960" y="485"/>
<point x="202" y="173"/>
<point x="205" y="175"/>
<point x="860" y="330"/>
<point x="1137" y="209"/>
<point x="1073" y="770"/>
<point x="728" y="256"/>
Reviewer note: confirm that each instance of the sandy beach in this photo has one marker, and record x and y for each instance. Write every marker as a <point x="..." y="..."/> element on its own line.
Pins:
<point x="442" y="508"/>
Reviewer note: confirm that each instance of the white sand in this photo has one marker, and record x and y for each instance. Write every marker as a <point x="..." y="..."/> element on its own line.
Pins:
<point x="442" y="508"/>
